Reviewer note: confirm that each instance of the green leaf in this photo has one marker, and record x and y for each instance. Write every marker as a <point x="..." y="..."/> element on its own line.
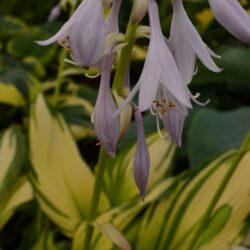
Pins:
<point x="234" y="62"/>
<point x="212" y="133"/>
<point x="19" y="77"/>
<point x="24" y="45"/>
<point x="10" y="26"/>
<point x="216" y="224"/>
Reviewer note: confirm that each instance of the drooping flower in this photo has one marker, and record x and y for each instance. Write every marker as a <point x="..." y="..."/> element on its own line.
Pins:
<point x="54" y="13"/>
<point x="186" y="44"/>
<point x="159" y="69"/>
<point x="231" y="15"/>
<point x="142" y="158"/>
<point x="172" y="114"/>
<point x="83" y="35"/>
<point x="106" y="127"/>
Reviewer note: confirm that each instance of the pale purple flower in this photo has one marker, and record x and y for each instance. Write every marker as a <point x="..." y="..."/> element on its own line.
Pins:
<point x="142" y="158"/>
<point x="54" y="13"/>
<point x="186" y="44"/>
<point x="233" y="17"/>
<point x="83" y="35"/>
<point x="159" y="71"/>
<point x="112" y="20"/>
<point x="106" y="127"/>
<point x="172" y="114"/>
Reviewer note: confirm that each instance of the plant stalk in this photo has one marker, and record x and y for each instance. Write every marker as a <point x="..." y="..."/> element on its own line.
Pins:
<point x="100" y="169"/>
<point x="125" y="57"/>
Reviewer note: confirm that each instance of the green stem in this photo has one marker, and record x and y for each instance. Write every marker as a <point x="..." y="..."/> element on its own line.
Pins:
<point x="59" y="77"/>
<point x="217" y="196"/>
<point x="125" y="56"/>
<point x="95" y="197"/>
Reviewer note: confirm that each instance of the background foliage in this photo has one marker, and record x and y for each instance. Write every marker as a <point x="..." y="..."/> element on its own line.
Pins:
<point x="48" y="153"/>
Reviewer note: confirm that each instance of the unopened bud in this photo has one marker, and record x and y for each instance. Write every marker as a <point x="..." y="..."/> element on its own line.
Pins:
<point x="140" y="9"/>
<point x="125" y="115"/>
<point x="106" y="127"/>
<point x="54" y="13"/>
<point x="142" y="158"/>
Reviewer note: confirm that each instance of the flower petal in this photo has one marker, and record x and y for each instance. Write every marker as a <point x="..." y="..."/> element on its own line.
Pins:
<point x="193" y="37"/>
<point x="231" y="15"/>
<point x="106" y="126"/>
<point x="173" y="119"/>
<point x="183" y="52"/>
<point x="170" y="76"/>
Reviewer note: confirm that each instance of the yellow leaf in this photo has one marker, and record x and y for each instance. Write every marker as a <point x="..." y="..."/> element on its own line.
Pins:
<point x="64" y="181"/>
<point x="8" y="147"/>
<point x="20" y="193"/>
<point x="119" y="180"/>
<point x="9" y="94"/>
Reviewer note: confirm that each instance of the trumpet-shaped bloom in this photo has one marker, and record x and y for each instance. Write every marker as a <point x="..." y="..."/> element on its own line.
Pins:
<point x="172" y="114"/>
<point x="106" y="126"/>
<point x="159" y="69"/>
<point x="83" y="35"/>
<point x="186" y="44"/>
<point x="233" y="17"/>
<point x="142" y="158"/>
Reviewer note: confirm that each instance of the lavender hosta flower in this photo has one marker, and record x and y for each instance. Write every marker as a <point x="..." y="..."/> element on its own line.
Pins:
<point x="142" y="158"/>
<point x="231" y="15"/>
<point x="159" y="71"/>
<point x="106" y="126"/>
<point x="83" y="35"/>
<point x="112" y="20"/>
<point x="186" y="44"/>
<point x="172" y="114"/>
<point x="140" y="9"/>
<point x="54" y="13"/>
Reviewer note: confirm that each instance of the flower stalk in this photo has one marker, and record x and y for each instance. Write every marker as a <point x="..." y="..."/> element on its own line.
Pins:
<point x="125" y="57"/>
<point x="59" y="77"/>
<point x="100" y="169"/>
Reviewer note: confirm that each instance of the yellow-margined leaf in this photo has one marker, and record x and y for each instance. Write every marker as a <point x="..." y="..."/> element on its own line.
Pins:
<point x="20" y="193"/>
<point x="124" y="216"/>
<point x="119" y="180"/>
<point x="9" y="94"/>
<point x="63" y="181"/>
<point x="184" y="221"/>
<point x="11" y="158"/>
<point x="8" y="148"/>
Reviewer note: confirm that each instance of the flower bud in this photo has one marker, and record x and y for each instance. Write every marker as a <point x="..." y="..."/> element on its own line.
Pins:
<point x="140" y="9"/>
<point x="142" y="158"/>
<point x="125" y="115"/>
<point x="106" y="126"/>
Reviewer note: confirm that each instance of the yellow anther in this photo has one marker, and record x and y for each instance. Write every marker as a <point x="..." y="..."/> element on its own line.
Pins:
<point x="172" y="105"/>
<point x="163" y="110"/>
<point x="69" y="50"/>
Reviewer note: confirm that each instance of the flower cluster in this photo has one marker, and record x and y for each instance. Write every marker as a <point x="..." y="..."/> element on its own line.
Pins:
<point x="92" y="39"/>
